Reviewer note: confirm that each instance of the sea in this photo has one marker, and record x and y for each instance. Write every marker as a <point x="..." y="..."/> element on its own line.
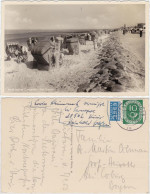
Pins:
<point x="23" y="35"/>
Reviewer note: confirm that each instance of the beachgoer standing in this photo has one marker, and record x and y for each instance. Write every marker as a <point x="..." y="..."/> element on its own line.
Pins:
<point x="89" y="37"/>
<point x="95" y="44"/>
<point x="141" y="32"/>
<point x="94" y="39"/>
<point x="124" y="31"/>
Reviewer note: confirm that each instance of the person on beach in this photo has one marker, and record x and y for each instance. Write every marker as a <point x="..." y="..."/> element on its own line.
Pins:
<point x="141" y="32"/>
<point x="124" y="31"/>
<point x="22" y="55"/>
<point x="31" y="42"/>
<point x="99" y="42"/>
<point x="16" y="52"/>
<point x="8" y="51"/>
<point x="52" y="40"/>
<point x="89" y="37"/>
<point x="95" y="44"/>
<point x="94" y="37"/>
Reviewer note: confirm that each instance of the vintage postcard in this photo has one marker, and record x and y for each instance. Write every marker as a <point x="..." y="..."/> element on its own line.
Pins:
<point x="75" y="48"/>
<point x="70" y="145"/>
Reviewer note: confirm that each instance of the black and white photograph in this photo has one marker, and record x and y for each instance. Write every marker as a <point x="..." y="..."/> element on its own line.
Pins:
<point x="73" y="47"/>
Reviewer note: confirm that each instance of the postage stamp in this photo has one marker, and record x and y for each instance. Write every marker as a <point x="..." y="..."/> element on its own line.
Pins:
<point x="132" y="111"/>
<point x="115" y="111"/>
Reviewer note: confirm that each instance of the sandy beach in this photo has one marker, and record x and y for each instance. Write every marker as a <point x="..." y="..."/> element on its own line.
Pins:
<point x="117" y="66"/>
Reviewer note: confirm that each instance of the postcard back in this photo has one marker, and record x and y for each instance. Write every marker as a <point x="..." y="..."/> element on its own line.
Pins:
<point x="75" y="145"/>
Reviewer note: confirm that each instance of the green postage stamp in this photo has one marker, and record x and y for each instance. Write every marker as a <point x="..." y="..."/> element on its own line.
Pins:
<point x="132" y="111"/>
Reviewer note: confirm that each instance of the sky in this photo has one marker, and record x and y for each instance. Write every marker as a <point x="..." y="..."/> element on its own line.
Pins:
<point x="57" y="17"/>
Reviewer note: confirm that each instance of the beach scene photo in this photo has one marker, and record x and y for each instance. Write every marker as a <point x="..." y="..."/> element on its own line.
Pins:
<point x="77" y="48"/>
